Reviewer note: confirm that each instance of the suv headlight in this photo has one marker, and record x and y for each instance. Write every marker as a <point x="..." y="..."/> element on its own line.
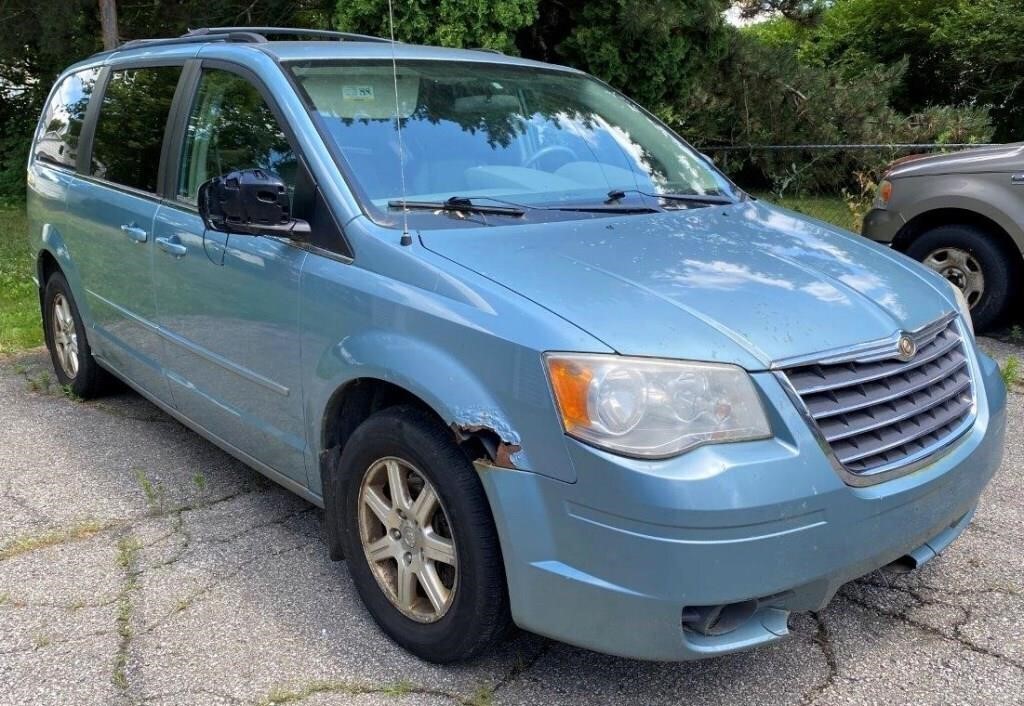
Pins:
<point x="883" y="193"/>
<point x="963" y="306"/>
<point x="652" y="408"/>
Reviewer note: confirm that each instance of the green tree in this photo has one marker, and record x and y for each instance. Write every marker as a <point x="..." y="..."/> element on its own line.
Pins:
<point x="449" y="23"/>
<point x="985" y="42"/>
<point x="957" y="52"/>
<point x="42" y="38"/>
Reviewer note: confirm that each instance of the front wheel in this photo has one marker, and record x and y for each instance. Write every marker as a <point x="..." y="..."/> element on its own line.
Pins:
<point x="421" y="544"/>
<point x="77" y="370"/>
<point x="973" y="260"/>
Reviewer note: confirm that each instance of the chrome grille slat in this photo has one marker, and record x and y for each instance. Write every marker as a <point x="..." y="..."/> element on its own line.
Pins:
<point x="923" y="428"/>
<point x="880" y="413"/>
<point x="826" y="408"/>
<point x="899" y="417"/>
<point x="875" y="370"/>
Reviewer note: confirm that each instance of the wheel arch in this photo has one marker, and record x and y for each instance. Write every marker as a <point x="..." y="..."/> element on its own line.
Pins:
<point x="926" y="220"/>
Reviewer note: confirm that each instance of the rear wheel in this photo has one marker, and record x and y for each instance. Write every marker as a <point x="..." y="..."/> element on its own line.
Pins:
<point x="972" y="259"/>
<point x="420" y="541"/>
<point x="72" y="358"/>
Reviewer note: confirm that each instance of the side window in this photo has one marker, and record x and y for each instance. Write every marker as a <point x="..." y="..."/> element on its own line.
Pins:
<point x="231" y="127"/>
<point x="61" y="124"/>
<point x="130" y="127"/>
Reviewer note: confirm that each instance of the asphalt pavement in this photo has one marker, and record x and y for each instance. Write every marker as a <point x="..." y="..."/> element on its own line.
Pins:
<point x="139" y="564"/>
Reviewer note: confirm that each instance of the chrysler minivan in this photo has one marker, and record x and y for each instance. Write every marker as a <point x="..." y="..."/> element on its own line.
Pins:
<point x="537" y="359"/>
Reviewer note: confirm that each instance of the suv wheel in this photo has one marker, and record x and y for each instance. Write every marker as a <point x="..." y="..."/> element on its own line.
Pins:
<point x="72" y="358"/>
<point x="419" y="538"/>
<point x="970" y="258"/>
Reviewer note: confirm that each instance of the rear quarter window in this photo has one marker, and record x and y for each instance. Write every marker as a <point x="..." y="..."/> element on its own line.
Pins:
<point x="61" y="125"/>
<point x="131" y="124"/>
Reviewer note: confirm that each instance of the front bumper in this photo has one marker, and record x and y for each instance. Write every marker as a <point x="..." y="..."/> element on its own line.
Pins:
<point x="882" y="225"/>
<point x="610" y="562"/>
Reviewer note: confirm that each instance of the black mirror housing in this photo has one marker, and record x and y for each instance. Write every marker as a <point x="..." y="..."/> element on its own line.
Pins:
<point x="250" y="202"/>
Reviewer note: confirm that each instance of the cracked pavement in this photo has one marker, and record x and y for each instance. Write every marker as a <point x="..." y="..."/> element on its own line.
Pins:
<point x="139" y="564"/>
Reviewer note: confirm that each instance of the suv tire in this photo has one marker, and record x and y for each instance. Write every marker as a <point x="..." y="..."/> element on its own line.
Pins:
<point x="956" y="251"/>
<point x="77" y="371"/>
<point x="409" y="444"/>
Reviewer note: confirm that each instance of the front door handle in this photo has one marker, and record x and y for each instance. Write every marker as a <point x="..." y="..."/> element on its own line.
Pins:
<point x="1017" y="179"/>
<point x="172" y="245"/>
<point x="134" y="232"/>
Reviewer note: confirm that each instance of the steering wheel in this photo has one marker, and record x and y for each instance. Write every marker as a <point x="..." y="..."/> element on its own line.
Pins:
<point x="545" y="151"/>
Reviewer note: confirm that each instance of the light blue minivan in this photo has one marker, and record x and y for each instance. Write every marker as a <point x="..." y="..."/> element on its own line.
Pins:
<point x="539" y="361"/>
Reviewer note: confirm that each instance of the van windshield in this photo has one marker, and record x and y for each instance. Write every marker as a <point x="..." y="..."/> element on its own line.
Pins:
<point x="493" y="133"/>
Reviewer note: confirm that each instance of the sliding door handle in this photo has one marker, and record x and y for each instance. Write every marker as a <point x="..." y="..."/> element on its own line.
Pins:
<point x="172" y="245"/>
<point x="134" y="232"/>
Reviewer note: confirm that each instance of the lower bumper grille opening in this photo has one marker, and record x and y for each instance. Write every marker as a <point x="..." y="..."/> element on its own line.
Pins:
<point x="718" y="619"/>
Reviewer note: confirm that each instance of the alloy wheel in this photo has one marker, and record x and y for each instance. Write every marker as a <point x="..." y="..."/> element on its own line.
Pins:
<point x="65" y="336"/>
<point x="407" y="540"/>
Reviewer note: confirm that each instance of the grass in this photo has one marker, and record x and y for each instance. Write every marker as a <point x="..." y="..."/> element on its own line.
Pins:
<point x="1011" y="371"/>
<point x="21" y="545"/>
<point x="19" y="302"/>
<point x="831" y="209"/>
<point x="127" y="558"/>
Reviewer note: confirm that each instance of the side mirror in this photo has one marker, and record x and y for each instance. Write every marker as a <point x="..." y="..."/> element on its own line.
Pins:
<point x="250" y="202"/>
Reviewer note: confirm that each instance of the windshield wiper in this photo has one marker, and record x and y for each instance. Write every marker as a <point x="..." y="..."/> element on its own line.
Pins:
<point x="703" y="199"/>
<point x="460" y="204"/>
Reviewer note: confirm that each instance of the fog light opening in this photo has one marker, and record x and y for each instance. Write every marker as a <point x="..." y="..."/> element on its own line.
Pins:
<point x="719" y="619"/>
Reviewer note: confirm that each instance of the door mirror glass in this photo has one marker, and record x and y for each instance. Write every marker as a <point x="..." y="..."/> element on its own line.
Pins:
<point x="250" y="202"/>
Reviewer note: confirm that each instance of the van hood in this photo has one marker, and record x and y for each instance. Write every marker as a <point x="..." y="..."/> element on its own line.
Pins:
<point x="981" y="160"/>
<point x="748" y="284"/>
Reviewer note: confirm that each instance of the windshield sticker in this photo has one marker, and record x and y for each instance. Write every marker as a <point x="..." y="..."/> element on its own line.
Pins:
<point x="357" y="93"/>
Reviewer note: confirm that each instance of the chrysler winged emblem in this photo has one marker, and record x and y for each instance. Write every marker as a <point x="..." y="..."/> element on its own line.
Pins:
<point x="907" y="348"/>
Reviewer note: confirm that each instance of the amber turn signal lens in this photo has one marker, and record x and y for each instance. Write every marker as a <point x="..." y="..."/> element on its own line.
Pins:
<point x="885" y="191"/>
<point x="571" y="382"/>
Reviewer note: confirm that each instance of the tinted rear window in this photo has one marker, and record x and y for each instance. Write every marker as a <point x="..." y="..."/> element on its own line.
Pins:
<point x="130" y="128"/>
<point x="61" y="124"/>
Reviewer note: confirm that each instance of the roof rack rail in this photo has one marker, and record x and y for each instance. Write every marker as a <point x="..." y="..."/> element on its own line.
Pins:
<point x="286" y="31"/>
<point x="488" y="50"/>
<point x="244" y="37"/>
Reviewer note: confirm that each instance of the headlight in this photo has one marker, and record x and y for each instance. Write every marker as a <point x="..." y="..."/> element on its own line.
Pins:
<point x="654" y="408"/>
<point x="963" y="306"/>
<point x="883" y="193"/>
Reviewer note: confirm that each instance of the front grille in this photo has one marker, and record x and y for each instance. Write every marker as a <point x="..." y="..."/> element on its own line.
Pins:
<point x="877" y="413"/>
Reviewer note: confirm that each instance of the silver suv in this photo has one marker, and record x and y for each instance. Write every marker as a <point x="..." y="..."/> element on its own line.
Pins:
<point x="961" y="214"/>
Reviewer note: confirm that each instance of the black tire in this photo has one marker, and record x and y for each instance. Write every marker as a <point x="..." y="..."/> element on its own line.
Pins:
<point x="478" y="616"/>
<point x="996" y="262"/>
<point x="90" y="380"/>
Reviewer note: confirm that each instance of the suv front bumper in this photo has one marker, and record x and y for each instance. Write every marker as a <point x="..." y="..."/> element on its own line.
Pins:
<point x="611" y="561"/>
<point x="882" y="225"/>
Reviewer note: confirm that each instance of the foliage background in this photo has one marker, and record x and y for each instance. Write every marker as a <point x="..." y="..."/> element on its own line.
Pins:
<point x="817" y="71"/>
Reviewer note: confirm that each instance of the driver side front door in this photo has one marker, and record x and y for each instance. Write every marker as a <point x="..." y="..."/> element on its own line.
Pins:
<point x="229" y="303"/>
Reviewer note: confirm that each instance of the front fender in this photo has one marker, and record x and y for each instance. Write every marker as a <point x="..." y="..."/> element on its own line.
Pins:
<point x="992" y="197"/>
<point x="452" y="390"/>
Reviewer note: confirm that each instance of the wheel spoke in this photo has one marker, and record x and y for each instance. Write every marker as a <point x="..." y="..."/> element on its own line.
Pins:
<point x="406" y="559"/>
<point x="438" y="548"/>
<point x="423" y="509"/>
<point x="436" y="591"/>
<point x="378" y="504"/>
<point x="406" y="588"/>
<point x="381" y="550"/>
<point x="398" y="484"/>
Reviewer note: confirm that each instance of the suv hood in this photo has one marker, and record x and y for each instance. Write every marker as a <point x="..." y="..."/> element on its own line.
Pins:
<point x="1002" y="158"/>
<point x="748" y="284"/>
